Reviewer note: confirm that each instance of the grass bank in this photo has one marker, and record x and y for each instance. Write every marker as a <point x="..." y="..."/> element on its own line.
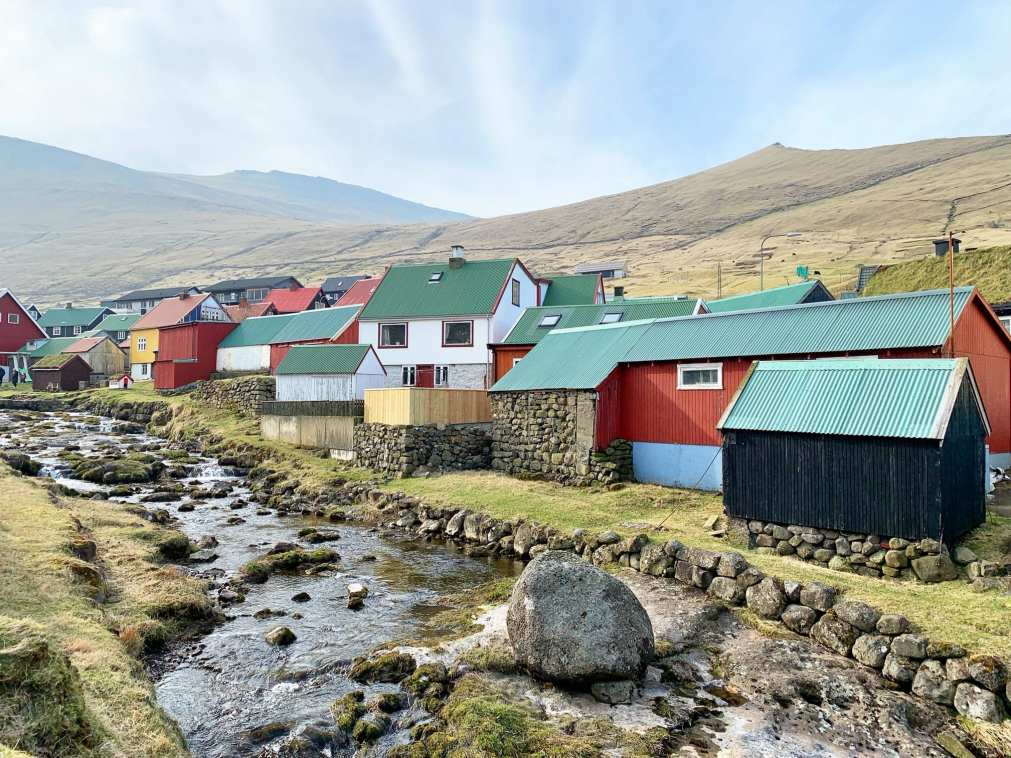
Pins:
<point x="948" y="611"/>
<point x="81" y="595"/>
<point x="988" y="269"/>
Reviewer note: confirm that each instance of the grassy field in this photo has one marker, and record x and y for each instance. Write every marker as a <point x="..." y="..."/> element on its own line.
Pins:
<point x="949" y="611"/>
<point x="988" y="269"/>
<point x="102" y="704"/>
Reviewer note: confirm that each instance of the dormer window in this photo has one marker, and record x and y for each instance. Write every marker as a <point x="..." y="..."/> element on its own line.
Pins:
<point x="435" y="276"/>
<point x="610" y="318"/>
<point x="550" y="320"/>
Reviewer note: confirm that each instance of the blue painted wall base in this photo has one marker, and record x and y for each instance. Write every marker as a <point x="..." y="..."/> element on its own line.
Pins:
<point x="695" y="466"/>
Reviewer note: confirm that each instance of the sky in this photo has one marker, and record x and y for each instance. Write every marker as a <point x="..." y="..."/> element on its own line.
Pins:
<point x="491" y="107"/>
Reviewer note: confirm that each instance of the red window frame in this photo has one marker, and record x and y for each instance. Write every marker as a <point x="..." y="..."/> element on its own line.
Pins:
<point x="458" y="321"/>
<point x="407" y="333"/>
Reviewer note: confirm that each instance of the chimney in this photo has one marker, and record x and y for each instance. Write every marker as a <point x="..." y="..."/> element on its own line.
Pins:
<point x="184" y="295"/>
<point x="456" y="259"/>
<point x="619" y="291"/>
<point x="69" y="306"/>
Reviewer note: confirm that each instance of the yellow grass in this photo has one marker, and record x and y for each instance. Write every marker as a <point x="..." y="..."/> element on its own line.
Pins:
<point x="989" y="269"/>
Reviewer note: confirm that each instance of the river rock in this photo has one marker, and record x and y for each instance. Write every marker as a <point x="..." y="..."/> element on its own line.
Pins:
<point x="280" y="635"/>
<point x="931" y="683"/>
<point x="370" y="727"/>
<point x="357" y="592"/>
<point x="301" y="597"/>
<point x="613" y="693"/>
<point x="977" y="703"/>
<point x="389" y="667"/>
<point x="569" y="621"/>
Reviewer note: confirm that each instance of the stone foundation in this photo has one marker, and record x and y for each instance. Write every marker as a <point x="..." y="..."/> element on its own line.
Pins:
<point x="244" y="395"/>
<point x="549" y="434"/>
<point x="403" y="450"/>
<point x="866" y="554"/>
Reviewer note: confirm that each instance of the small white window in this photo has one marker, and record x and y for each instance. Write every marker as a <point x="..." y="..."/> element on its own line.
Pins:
<point x="551" y="320"/>
<point x="435" y="276"/>
<point x="141" y="344"/>
<point x="515" y="361"/>
<point x="441" y="376"/>
<point x="77" y="330"/>
<point x="408" y="376"/>
<point x="57" y="331"/>
<point x="1006" y="320"/>
<point x="13" y="318"/>
<point x="144" y="368"/>
<point x="610" y="318"/>
<point x="700" y="376"/>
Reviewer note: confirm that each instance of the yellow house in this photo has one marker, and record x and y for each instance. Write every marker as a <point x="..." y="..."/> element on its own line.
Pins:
<point x="169" y="312"/>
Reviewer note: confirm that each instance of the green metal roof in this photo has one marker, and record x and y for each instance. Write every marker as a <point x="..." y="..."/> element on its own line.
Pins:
<point x="57" y="360"/>
<point x="582" y="358"/>
<point x="407" y="291"/>
<point x="857" y="397"/>
<point x="323" y="323"/>
<point x="52" y="346"/>
<point x="70" y="316"/>
<point x="323" y="359"/>
<point x="791" y="294"/>
<point x="577" y="289"/>
<point x="120" y="322"/>
<point x="529" y="331"/>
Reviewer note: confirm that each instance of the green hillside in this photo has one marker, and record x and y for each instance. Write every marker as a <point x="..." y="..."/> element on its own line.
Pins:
<point x="989" y="269"/>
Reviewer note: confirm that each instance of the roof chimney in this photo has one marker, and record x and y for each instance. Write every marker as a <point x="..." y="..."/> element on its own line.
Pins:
<point x="456" y="259"/>
<point x="619" y="291"/>
<point x="69" y="306"/>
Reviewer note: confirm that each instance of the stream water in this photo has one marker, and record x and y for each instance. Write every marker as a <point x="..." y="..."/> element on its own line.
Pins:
<point x="226" y="688"/>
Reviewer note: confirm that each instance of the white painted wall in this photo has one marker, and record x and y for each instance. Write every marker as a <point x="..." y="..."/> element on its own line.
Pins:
<point x="507" y="313"/>
<point x="251" y="358"/>
<point x="142" y="372"/>
<point x="424" y="343"/>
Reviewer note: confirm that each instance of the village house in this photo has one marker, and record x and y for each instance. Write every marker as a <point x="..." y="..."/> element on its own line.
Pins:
<point x="71" y="321"/>
<point x="663" y="384"/>
<point x="329" y="373"/>
<point x="18" y="331"/>
<point x="259" y="344"/>
<point x="102" y="353"/>
<point x="432" y="323"/>
<point x="144" y="335"/>
<point x="296" y="299"/>
<point x="893" y="447"/>
<point x="571" y="289"/>
<point x="117" y="327"/>
<point x="233" y="291"/>
<point x="812" y="291"/>
<point x="359" y="293"/>
<point x="536" y="322"/>
<point x="140" y="302"/>
<point x="187" y="352"/>
<point x="60" y="372"/>
<point x="245" y="309"/>
<point x="604" y="269"/>
<point x="336" y="287"/>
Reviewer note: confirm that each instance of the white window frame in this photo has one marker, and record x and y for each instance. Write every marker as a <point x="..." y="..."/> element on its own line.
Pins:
<point x="515" y="361"/>
<point x="57" y="331"/>
<point x="409" y="372"/>
<point x="434" y="277"/>
<point x="13" y="319"/>
<point x="683" y="367"/>
<point x="1006" y="320"/>
<point x="611" y="318"/>
<point x="141" y="344"/>
<point x="442" y="376"/>
<point x="393" y="323"/>
<point x="544" y="320"/>
<point x="77" y="330"/>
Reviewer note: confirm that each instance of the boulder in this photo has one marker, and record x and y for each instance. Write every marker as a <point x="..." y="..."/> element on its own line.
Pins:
<point x="963" y="555"/>
<point x="834" y="633"/>
<point x="931" y="683"/>
<point x="654" y="560"/>
<point x="861" y="615"/>
<point x="799" y="618"/>
<point x="388" y="667"/>
<point x="910" y="645"/>
<point x="892" y="623"/>
<point x="568" y="621"/>
<point x="280" y="635"/>
<point x="872" y="649"/>
<point x="977" y="703"/>
<point x="767" y="598"/>
<point x="727" y="589"/>
<point x="899" y="668"/>
<point x="816" y="595"/>
<point x="934" y="568"/>
<point x="988" y="671"/>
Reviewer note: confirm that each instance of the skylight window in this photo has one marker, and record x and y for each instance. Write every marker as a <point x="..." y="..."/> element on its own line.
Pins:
<point x="610" y="318"/>
<point x="550" y="320"/>
<point x="435" y="277"/>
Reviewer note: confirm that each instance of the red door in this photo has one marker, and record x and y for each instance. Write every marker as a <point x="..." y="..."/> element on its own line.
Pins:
<point x="425" y="376"/>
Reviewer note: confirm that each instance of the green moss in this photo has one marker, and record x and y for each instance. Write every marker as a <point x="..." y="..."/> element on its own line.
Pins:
<point x="494" y="657"/>
<point x="174" y="546"/>
<point x="388" y="667"/>
<point x="347" y="710"/>
<point x="260" y="569"/>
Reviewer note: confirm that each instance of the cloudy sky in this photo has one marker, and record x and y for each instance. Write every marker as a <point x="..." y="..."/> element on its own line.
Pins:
<point x="493" y="107"/>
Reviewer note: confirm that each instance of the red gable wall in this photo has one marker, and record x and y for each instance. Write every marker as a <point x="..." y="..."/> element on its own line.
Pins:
<point x="14" y="336"/>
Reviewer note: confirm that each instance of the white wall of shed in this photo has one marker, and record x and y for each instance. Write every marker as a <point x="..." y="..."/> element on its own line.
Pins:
<point x="250" y="358"/>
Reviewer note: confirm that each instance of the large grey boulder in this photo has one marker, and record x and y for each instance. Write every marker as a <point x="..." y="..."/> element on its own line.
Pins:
<point x="569" y="621"/>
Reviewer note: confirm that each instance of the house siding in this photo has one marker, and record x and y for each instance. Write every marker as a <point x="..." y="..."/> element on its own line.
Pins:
<point x="14" y="336"/>
<point x="188" y="353"/>
<point x="504" y="355"/>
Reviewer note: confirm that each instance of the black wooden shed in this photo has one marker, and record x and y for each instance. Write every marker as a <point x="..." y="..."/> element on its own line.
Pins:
<point x="888" y="447"/>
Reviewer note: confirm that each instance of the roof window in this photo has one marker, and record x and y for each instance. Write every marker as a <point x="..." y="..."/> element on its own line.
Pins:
<point x="435" y="276"/>
<point x="611" y="318"/>
<point x="550" y="320"/>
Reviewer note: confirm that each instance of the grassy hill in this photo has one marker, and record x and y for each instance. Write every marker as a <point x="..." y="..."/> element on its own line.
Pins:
<point x="875" y="205"/>
<point x="989" y="269"/>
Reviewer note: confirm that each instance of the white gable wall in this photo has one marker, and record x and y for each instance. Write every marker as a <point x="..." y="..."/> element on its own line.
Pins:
<point x="424" y="342"/>
<point x="507" y="313"/>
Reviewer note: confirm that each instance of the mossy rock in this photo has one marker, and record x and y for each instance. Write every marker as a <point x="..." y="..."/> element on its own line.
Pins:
<point x="118" y="471"/>
<point x="389" y="667"/>
<point x="424" y="676"/>
<point x="498" y="658"/>
<point x="260" y="569"/>
<point x="347" y="710"/>
<point x="42" y="707"/>
<point x="21" y="463"/>
<point x="370" y="727"/>
<point x="173" y="546"/>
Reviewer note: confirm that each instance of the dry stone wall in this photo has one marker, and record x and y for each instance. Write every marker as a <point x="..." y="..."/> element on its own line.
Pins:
<point x="243" y="395"/>
<point x="405" y="450"/>
<point x="549" y="434"/>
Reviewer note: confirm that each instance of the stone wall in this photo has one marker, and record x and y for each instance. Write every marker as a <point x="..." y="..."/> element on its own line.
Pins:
<point x="867" y="554"/>
<point x="549" y="434"/>
<point x="243" y="395"/>
<point x="404" y="450"/>
<point x="462" y="376"/>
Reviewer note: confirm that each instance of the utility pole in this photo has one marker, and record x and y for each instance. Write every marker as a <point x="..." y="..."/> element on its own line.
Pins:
<point x="719" y="280"/>
<point x="951" y="293"/>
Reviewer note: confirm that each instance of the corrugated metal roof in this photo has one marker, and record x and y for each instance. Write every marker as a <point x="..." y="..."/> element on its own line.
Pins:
<point x="52" y="346"/>
<point x="256" y="330"/>
<point x="857" y="397"/>
<point x="577" y="289"/>
<point x="323" y="359"/>
<point x="359" y="293"/>
<point x="528" y="329"/>
<point x="914" y="319"/>
<point x="791" y="294"/>
<point x="407" y="291"/>
<point x="293" y="300"/>
<point x="315" y="325"/>
<point x="121" y="322"/>
<point x="168" y="312"/>
<point x="70" y="316"/>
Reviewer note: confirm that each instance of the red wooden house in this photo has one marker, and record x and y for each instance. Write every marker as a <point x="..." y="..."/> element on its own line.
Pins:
<point x="664" y="384"/>
<point x="17" y="328"/>
<point x="187" y="352"/>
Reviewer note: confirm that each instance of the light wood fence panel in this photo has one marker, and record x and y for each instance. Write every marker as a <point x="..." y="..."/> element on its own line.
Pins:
<point x="417" y="406"/>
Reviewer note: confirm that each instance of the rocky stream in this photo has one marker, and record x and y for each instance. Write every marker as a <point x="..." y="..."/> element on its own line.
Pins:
<point x="719" y="687"/>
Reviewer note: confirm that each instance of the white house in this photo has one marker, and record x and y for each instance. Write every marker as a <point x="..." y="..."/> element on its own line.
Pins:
<point x="318" y="373"/>
<point x="431" y="323"/>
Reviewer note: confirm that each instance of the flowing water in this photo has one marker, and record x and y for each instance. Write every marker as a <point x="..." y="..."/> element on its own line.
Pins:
<point x="232" y="682"/>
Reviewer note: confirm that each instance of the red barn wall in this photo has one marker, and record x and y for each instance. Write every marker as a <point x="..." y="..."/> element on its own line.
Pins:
<point x="14" y="336"/>
<point x="188" y="353"/>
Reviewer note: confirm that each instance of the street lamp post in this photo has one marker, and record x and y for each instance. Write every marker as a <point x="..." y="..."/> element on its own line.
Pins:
<point x="761" y="253"/>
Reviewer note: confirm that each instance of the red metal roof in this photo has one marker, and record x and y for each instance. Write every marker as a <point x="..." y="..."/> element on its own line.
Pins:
<point x="85" y="344"/>
<point x="293" y="300"/>
<point x="360" y="292"/>
<point x="168" y="312"/>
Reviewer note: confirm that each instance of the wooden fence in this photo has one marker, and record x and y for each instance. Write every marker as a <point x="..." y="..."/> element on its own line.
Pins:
<point x="416" y="406"/>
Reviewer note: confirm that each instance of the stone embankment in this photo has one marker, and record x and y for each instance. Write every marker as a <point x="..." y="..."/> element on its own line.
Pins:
<point x="244" y="395"/>
<point x="404" y="450"/>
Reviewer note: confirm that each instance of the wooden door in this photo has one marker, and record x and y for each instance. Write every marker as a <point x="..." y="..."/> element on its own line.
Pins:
<point x="425" y="376"/>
